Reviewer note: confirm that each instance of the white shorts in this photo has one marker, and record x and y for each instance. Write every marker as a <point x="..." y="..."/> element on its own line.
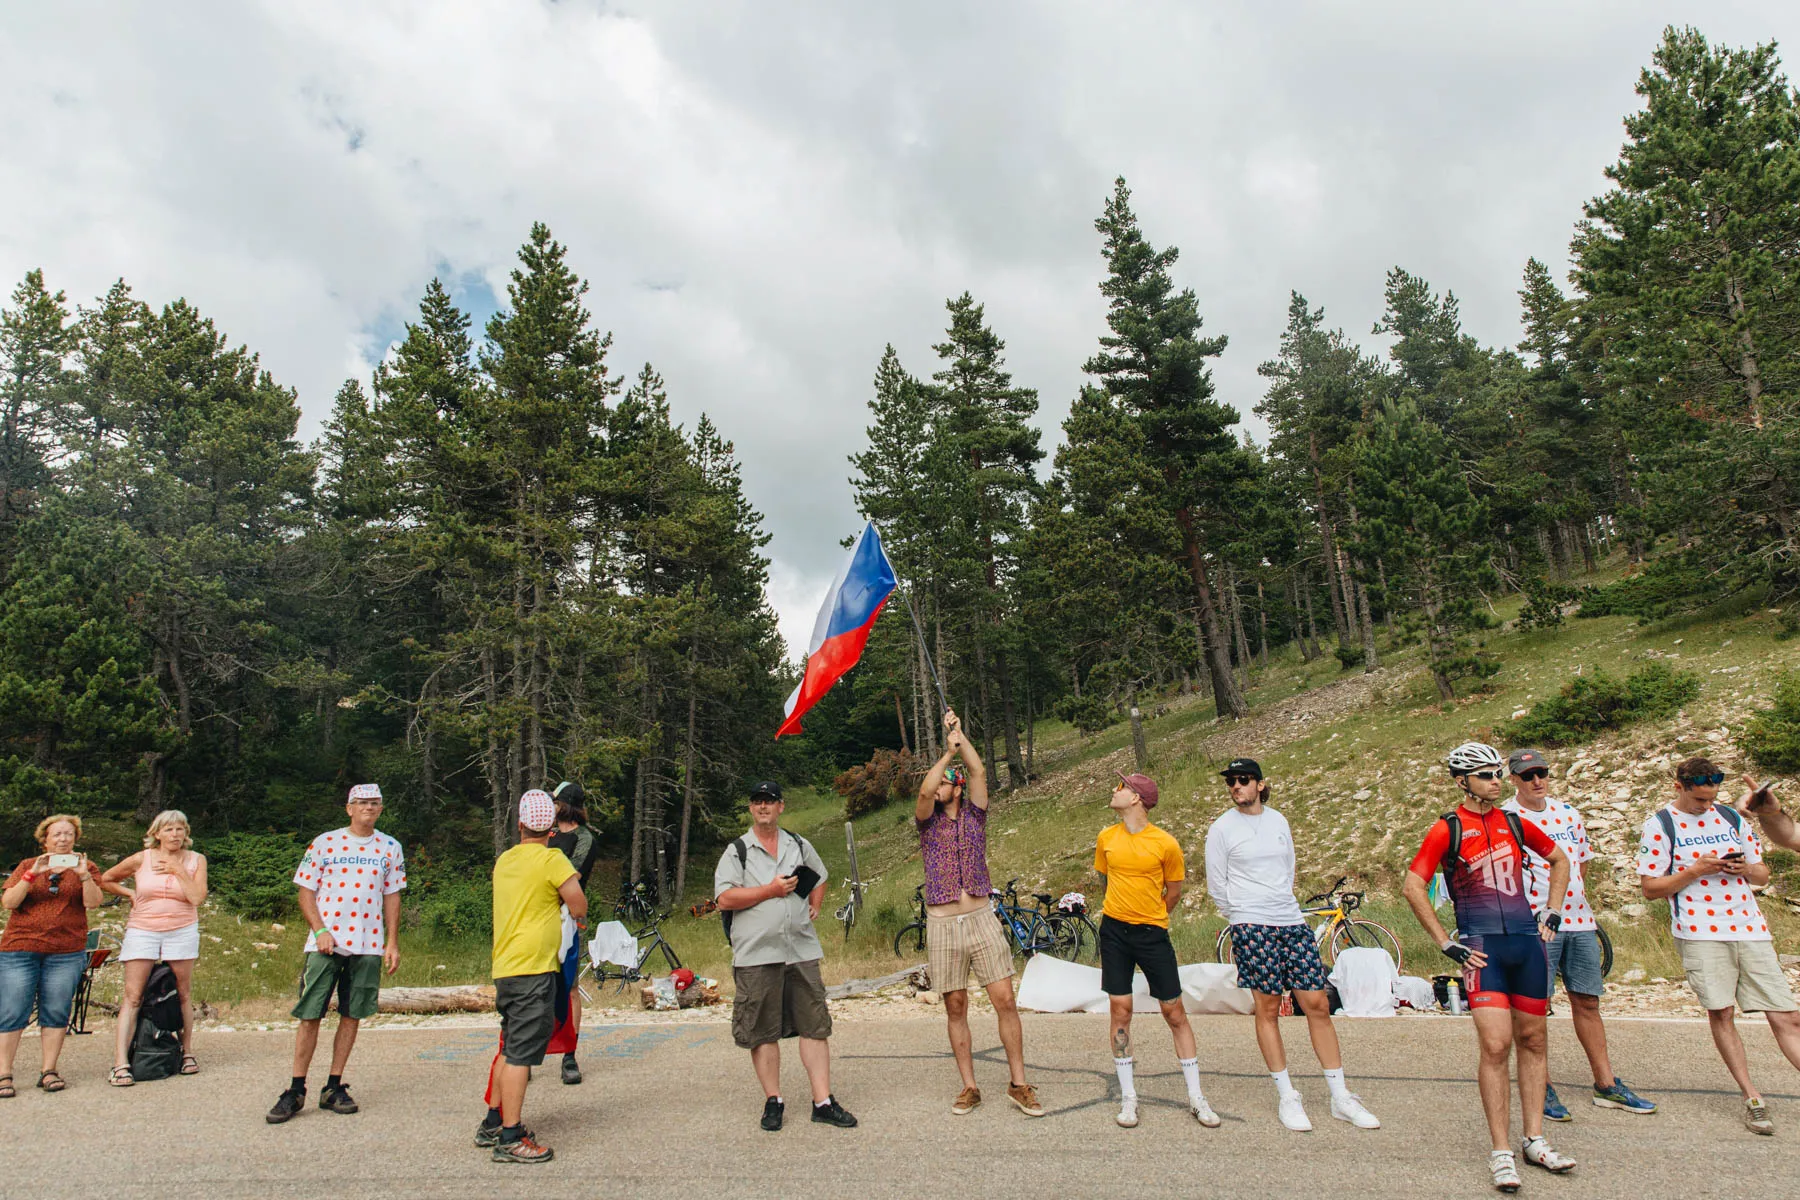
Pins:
<point x="177" y="945"/>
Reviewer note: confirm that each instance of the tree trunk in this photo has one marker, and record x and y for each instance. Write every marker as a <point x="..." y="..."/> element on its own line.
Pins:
<point x="1312" y="623"/>
<point x="1262" y="627"/>
<point x="1009" y="724"/>
<point x="1228" y="699"/>
<point x="492" y="762"/>
<point x="688" y="768"/>
<point x="1139" y="751"/>
<point x="1328" y="543"/>
<point x="1240" y="643"/>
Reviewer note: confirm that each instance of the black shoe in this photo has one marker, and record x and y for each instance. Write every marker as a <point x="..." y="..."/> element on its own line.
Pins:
<point x="772" y="1113"/>
<point x="832" y="1113"/>
<point x="286" y="1105"/>
<point x="571" y="1070"/>
<point x="337" y="1099"/>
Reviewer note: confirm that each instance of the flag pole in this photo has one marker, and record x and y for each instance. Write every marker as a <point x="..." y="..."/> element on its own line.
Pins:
<point x="924" y="649"/>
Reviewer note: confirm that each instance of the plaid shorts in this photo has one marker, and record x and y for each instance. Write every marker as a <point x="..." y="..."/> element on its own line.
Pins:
<point x="1276" y="959"/>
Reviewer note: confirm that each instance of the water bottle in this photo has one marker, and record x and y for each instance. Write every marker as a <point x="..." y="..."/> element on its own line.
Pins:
<point x="1454" y="990"/>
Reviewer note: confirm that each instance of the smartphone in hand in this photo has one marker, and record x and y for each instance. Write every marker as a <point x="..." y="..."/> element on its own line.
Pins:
<point x="1761" y="798"/>
<point x="64" y="862"/>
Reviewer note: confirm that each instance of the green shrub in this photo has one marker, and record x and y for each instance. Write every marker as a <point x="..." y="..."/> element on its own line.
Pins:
<point x="252" y="874"/>
<point x="1090" y="713"/>
<point x="1544" y="603"/>
<point x="1349" y="657"/>
<point x="1771" y="738"/>
<point x="1671" y="584"/>
<point x="1590" y="704"/>
<point x="457" y="908"/>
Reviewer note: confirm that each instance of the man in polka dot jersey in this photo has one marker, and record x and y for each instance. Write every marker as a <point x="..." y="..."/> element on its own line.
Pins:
<point x="1575" y="952"/>
<point x="1702" y="859"/>
<point x="349" y="885"/>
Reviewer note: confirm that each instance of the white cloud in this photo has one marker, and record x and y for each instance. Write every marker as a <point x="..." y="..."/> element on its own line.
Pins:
<point x="763" y="196"/>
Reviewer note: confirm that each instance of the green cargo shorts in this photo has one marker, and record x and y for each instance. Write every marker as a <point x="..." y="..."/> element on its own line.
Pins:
<point x="356" y="978"/>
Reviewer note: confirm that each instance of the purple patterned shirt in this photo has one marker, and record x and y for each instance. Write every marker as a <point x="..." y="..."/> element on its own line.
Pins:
<point x="955" y="854"/>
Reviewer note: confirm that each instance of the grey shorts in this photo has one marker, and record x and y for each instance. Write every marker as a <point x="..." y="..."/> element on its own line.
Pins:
<point x="778" y="1000"/>
<point x="527" y="1005"/>
<point x="1575" y="956"/>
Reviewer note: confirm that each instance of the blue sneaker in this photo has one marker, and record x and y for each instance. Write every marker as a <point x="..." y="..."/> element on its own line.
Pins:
<point x="1553" y="1107"/>
<point x="1620" y="1096"/>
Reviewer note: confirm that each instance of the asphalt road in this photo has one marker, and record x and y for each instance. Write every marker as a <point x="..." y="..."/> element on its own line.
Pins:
<point x="671" y="1110"/>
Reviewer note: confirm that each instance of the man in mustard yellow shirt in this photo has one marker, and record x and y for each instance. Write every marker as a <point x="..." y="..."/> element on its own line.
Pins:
<point x="532" y="883"/>
<point x="1143" y="870"/>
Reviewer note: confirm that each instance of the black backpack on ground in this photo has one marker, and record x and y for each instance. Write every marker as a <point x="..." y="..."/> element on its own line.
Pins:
<point x="156" y="1043"/>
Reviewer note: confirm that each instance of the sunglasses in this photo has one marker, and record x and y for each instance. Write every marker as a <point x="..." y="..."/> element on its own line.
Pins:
<point x="1240" y="780"/>
<point x="765" y="800"/>
<point x="1533" y="773"/>
<point x="1487" y="774"/>
<point x="1713" y="780"/>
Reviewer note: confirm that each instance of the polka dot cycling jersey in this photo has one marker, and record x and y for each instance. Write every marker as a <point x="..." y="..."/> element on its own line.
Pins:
<point x="1714" y="908"/>
<point x="349" y="876"/>
<point x="1563" y="823"/>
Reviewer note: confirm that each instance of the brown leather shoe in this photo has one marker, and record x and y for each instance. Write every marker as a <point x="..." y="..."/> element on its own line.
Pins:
<point x="1025" y="1099"/>
<point x="966" y="1100"/>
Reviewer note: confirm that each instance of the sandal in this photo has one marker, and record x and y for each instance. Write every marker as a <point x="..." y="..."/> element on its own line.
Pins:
<point x="51" y="1081"/>
<point x="189" y="1065"/>
<point x="7" y="1090"/>
<point x="121" y="1077"/>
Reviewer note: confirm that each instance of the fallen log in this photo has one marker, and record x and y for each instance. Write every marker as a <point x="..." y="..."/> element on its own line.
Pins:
<point x="463" y="998"/>
<point x="856" y="987"/>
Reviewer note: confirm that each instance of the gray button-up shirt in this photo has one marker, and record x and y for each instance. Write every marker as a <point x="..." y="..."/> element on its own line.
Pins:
<point x="777" y="930"/>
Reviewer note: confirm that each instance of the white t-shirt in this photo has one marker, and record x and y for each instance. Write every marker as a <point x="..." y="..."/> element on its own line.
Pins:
<point x="1714" y="908"/>
<point x="1250" y="868"/>
<point x="350" y="876"/>
<point x="1562" y="824"/>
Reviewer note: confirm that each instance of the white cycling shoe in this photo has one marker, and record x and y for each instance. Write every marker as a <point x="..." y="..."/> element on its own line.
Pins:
<point x="1349" y="1107"/>
<point x="1292" y="1111"/>
<point x="1506" y="1174"/>
<point x="1538" y="1153"/>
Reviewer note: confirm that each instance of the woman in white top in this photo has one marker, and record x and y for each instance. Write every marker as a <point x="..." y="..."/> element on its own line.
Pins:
<point x="1250" y="874"/>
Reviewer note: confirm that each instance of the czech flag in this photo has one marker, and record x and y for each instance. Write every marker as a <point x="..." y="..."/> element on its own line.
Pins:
<point x="845" y="619"/>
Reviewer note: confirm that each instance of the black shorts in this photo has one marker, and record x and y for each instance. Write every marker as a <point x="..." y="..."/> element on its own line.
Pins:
<point x="1125" y="947"/>
<point x="527" y="1005"/>
<point x="1517" y="975"/>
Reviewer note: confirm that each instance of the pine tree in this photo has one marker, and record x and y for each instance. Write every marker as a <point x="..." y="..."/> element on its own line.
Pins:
<point x="35" y="341"/>
<point x="1154" y="361"/>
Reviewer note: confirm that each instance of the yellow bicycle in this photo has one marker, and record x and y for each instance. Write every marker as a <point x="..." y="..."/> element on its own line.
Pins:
<point x="1338" y="931"/>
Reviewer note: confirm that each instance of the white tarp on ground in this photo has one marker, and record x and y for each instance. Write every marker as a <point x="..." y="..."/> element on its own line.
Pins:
<point x="612" y="943"/>
<point x="1052" y="985"/>
<point x="1364" y="977"/>
<point x="1416" y="992"/>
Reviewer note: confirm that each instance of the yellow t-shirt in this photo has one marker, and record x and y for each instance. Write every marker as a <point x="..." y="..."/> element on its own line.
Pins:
<point x="528" y="910"/>
<point x="1136" y="866"/>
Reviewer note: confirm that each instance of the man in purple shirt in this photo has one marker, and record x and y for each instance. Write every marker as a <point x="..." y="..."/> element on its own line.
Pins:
<point x="962" y="935"/>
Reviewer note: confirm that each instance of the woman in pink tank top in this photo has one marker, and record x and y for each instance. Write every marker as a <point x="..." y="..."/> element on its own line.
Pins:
<point x="168" y="887"/>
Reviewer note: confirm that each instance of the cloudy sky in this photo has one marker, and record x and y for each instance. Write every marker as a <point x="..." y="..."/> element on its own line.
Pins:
<point x="763" y="195"/>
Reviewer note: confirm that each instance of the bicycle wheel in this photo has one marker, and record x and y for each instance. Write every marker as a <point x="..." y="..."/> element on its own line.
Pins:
<point x="910" y="942"/>
<point x="1606" y="952"/>
<point x="1222" y="948"/>
<point x="1039" y="939"/>
<point x="1362" y="934"/>
<point x="1065" y="938"/>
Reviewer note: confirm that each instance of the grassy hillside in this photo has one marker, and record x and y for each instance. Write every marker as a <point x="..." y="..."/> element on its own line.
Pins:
<point x="1356" y="764"/>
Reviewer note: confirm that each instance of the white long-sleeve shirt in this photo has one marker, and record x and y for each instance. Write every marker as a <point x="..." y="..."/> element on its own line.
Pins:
<point x="1250" y="869"/>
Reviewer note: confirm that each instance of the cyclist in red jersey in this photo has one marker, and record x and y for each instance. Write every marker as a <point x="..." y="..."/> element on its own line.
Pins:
<point x="1499" y="945"/>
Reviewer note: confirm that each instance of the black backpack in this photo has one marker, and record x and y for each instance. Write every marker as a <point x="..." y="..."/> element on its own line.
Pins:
<point x="1731" y="815"/>
<point x="1454" y="822"/>
<point x="743" y="853"/>
<point x="156" y="1043"/>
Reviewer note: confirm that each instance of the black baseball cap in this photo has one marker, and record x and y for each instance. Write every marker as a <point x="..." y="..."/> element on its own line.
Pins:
<point x="1243" y="766"/>
<point x="767" y="788"/>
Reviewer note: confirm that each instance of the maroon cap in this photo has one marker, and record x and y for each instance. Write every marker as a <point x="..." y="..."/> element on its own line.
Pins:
<point x="1143" y="785"/>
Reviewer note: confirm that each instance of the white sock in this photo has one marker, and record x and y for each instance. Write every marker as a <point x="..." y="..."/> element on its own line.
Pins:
<point x="1127" y="1086"/>
<point x="1335" y="1080"/>
<point x="1284" y="1087"/>
<point x="1190" y="1071"/>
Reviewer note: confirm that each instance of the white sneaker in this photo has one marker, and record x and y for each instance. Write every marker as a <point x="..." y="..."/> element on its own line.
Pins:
<point x="1506" y="1175"/>
<point x="1349" y="1107"/>
<point x="1127" y="1117"/>
<point x="1202" y="1112"/>
<point x="1293" y="1113"/>
<point x="1539" y="1154"/>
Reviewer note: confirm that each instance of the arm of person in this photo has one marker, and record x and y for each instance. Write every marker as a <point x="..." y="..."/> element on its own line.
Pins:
<point x="92" y="894"/>
<point x="193" y="883"/>
<point x="928" y="785"/>
<point x="1216" y="855"/>
<point x="1417" y="890"/>
<point x="1559" y="885"/>
<point x="738" y="898"/>
<point x="1174" y="874"/>
<point x="815" y="901"/>
<point x="15" y="892"/>
<point x="976" y="791"/>
<point x="390" y="916"/>
<point x="1171" y="893"/>
<point x="113" y="877"/>
<point x="1661" y="887"/>
<point x="573" y="897"/>
<point x="1777" y="825"/>
<point x="308" y="898"/>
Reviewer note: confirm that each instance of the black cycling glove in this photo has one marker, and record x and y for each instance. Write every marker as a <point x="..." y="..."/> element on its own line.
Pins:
<point x="1457" y="953"/>
<point x="1551" y="921"/>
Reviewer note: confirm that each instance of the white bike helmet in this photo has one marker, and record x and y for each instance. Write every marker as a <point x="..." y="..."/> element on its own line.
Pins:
<point x="1474" y="756"/>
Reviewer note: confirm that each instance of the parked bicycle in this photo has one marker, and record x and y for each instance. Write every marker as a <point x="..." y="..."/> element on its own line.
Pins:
<point x="910" y="941"/>
<point x="1026" y="928"/>
<point x="636" y="904"/>
<point x="1072" y="932"/>
<point x="607" y="972"/>
<point x="1339" y="930"/>
<point x="848" y="911"/>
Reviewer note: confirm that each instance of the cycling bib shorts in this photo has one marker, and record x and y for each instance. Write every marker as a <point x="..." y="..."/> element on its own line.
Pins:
<point x="1517" y="975"/>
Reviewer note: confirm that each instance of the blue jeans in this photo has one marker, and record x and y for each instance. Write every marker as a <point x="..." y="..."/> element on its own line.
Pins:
<point x="47" y="981"/>
<point x="1575" y="955"/>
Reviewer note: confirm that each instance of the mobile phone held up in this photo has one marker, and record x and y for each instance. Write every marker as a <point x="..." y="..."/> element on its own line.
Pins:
<point x="1762" y="797"/>
<point x="64" y="862"/>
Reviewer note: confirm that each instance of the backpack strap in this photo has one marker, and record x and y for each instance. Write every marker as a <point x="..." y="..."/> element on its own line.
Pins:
<point x="1732" y="816"/>
<point x="1517" y="826"/>
<point x="1668" y="827"/>
<point x="1453" y="852"/>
